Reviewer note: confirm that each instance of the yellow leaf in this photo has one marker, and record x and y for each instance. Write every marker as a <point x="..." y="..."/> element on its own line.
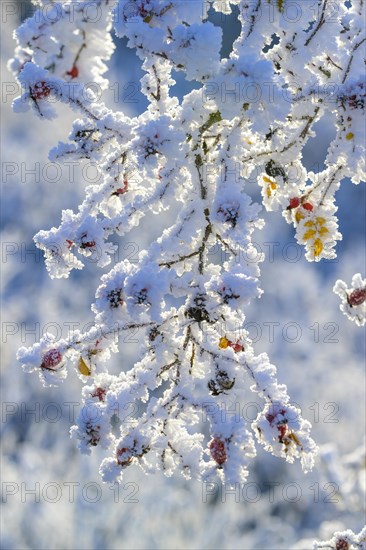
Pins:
<point x="320" y="220"/>
<point x="310" y="223"/>
<point x="269" y="192"/>
<point x="267" y="180"/>
<point x="274" y="185"/>
<point x="323" y="231"/>
<point x="298" y="216"/>
<point x="309" y="234"/>
<point x="224" y="342"/>
<point x="83" y="367"/>
<point x="294" y="438"/>
<point x="318" y="247"/>
<point x="350" y="135"/>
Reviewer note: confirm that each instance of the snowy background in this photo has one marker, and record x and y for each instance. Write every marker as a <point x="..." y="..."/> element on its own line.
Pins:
<point x="52" y="497"/>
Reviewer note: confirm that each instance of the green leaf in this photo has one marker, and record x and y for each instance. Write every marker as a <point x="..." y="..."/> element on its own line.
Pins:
<point x="327" y="73"/>
<point x="212" y="119"/>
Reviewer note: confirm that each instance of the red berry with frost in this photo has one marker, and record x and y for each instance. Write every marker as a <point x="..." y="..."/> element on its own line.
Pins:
<point x="218" y="450"/>
<point x="85" y="243"/>
<point x="294" y="203"/>
<point x="342" y="544"/>
<point x="357" y="297"/>
<point x="237" y="347"/>
<point x="121" y="190"/>
<point x="88" y="244"/>
<point x="123" y="456"/>
<point x="308" y="206"/>
<point x="271" y="416"/>
<point x="74" y="73"/>
<point x="51" y="359"/>
<point x="100" y="393"/>
<point x="40" y="90"/>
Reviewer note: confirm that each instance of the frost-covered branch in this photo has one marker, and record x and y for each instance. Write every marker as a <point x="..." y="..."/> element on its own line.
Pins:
<point x="195" y="359"/>
<point x="344" y="540"/>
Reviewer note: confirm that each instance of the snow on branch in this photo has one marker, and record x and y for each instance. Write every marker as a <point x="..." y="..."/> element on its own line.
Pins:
<point x="344" y="540"/>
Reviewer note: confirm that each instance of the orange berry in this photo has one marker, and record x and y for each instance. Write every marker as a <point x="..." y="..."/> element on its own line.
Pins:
<point x="74" y="73"/>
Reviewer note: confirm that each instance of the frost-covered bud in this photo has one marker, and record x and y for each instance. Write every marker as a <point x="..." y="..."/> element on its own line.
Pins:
<point x="221" y="383"/>
<point x="100" y="393"/>
<point x="198" y="311"/>
<point x="92" y="434"/>
<point x="228" y="212"/>
<point x="115" y="298"/>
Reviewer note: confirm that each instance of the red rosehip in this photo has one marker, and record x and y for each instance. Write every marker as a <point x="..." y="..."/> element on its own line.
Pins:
<point x="218" y="450"/>
<point x="357" y="297"/>
<point x="74" y="73"/>
<point x="308" y="206"/>
<point x="40" y="90"/>
<point x="123" y="458"/>
<point x="51" y="359"/>
<point x="237" y="347"/>
<point x="294" y="203"/>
